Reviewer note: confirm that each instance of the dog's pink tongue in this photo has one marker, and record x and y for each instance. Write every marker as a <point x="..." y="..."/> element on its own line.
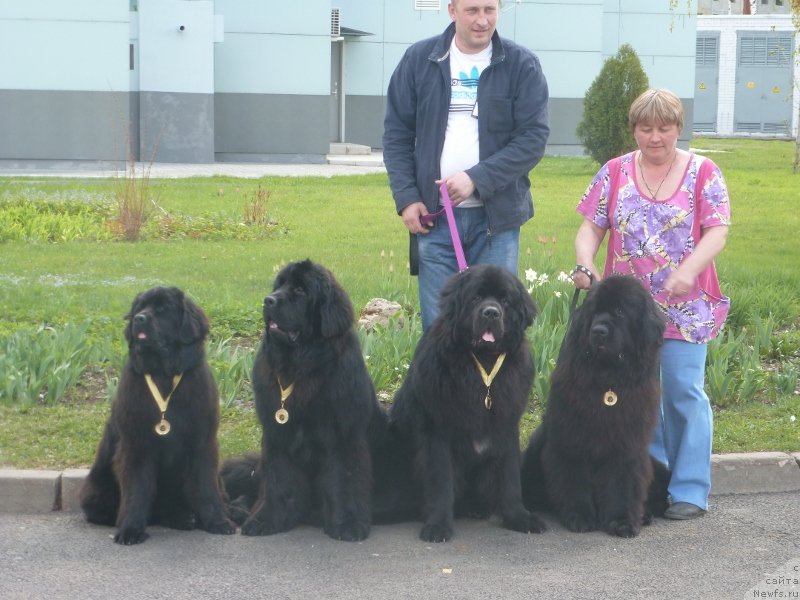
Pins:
<point x="488" y="337"/>
<point x="142" y="335"/>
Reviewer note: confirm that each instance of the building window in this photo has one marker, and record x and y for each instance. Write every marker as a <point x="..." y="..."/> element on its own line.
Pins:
<point x="427" y="5"/>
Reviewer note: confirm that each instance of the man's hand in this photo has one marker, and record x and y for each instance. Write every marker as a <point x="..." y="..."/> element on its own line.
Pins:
<point x="459" y="187"/>
<point x="411" y="215"/>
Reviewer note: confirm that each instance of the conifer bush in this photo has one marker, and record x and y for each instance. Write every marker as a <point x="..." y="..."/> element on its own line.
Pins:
<point x="604" y="129"/>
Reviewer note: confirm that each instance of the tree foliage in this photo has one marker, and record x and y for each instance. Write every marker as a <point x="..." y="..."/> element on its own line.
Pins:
<point x="604" y="129"/>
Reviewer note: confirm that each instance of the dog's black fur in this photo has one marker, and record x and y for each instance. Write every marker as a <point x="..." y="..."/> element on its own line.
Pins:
<point x="140" y="477"/>
<point x="317" y="466"/>
<point x="467" y="458"/>
<point x="589" y="462"/>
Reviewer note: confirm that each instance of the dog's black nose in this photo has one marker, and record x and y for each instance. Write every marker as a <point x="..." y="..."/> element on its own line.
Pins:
<point x="140" y="318"/>
<point x="491" y="312"/>
<point x="270" y="300"/>
<point x="600" y="331"/>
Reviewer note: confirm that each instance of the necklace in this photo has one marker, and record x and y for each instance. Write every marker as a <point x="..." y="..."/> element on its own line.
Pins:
<point x="489" y="377"/>
<point x="163" y="426"/>
<point x="282" y="415"/>
<point x="653" y="194"/>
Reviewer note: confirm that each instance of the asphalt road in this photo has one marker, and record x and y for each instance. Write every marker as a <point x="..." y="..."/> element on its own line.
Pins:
<point x="747" y="545"/>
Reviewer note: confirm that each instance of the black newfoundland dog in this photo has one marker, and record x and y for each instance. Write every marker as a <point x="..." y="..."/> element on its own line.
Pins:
<point x="588" y="461"/>
<point x="158" y="458"/>
<point x="460" y="404"/>
<point x="317" y="407"/>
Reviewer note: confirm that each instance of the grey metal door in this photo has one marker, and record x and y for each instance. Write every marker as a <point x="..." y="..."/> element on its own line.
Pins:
<point x="706" y="91"/>
<point x="335" y="134"/>
<point x="763" y="97"/>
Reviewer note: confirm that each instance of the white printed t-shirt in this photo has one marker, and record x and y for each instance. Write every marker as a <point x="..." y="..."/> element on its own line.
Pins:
<point x="461" y="150"/>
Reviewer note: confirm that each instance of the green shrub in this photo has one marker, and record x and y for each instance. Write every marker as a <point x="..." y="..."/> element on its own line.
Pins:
<point x="41" y="365"/>
<point x="53" y="219"/>
<point x="604" y="129"/>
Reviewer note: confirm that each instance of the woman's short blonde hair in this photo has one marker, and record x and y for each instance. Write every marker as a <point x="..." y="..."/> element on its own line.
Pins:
<point x="656" y="107"/>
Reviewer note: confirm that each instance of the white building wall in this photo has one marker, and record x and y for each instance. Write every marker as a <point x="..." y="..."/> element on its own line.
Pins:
<point x="728" y="26"/>
<point x="54" y="45"/>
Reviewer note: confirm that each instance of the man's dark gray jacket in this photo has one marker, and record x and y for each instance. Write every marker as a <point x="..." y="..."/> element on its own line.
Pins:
<point x="512" y="127"/>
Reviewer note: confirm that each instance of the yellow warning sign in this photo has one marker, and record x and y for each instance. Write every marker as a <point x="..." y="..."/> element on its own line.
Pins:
<point x="751" y="85"/>
<point x="702" y="86"/>
<point x="776" y="90"/>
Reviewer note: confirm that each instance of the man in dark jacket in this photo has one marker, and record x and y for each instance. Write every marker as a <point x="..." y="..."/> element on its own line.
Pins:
<point x="468" y="109"/>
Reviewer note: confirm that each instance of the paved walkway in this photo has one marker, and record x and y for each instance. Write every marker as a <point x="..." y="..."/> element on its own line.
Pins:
<point x="343" y="164"/>
<point x="746" y="547"/>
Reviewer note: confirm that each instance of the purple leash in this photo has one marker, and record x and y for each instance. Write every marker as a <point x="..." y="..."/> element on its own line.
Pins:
<point x="451" y="222"/>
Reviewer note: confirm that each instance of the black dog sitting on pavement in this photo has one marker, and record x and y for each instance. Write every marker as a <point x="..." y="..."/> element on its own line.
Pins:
<point x="317" y="407"/>
<point x="457" y="413"/>
<point x="158" y="458"/>
<point x="588" y="461"/>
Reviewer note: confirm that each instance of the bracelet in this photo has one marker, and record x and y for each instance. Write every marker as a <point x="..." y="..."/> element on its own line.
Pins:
<point x="585" y="271"/>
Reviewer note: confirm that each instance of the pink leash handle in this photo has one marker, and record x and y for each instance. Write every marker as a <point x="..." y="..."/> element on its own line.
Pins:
<point x="451" y="223"/>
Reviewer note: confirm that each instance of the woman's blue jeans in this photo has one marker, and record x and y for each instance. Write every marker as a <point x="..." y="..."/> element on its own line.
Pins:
<point x="684" y="433"/>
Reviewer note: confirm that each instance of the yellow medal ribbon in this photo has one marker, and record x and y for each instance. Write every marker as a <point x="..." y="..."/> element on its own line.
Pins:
<point x="163" y="426"/>
<point x="282" y="415"/>
<point x="488" y="378"/>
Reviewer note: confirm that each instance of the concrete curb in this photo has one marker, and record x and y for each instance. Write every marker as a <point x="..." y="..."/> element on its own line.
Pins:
<point x="33" y="491"/>
<point x="753" y="472"/>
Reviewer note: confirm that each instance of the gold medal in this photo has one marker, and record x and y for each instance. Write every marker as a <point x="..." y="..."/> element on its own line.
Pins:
<point x="282" y="415"/>
<point x="162" y="427"/>
<point x="487" y="402"/>
<point x="609" y="398"/>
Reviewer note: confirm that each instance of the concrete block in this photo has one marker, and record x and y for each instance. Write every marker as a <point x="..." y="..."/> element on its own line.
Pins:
<point x="348" y="148"/>
<point x="754" y="472"/>
<point x="29" y="491"/>
<point x="71" y="482"/>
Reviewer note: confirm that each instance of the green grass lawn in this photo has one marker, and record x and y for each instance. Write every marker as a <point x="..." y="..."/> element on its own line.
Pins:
<point x="349" y="225"/>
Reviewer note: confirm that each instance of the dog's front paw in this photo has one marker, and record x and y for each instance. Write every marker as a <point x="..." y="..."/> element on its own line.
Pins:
<point x="239" y="511"/>
<point x="577" y="522"/>
<point x="524" y="522"/>
<point x="225" y="527"/>
<point x="622" y="528"/>
<point x="436" y="532"/>
<point x="255" y="526"/>
<point x="349" y="531"/>
<point x="128" y="536"/>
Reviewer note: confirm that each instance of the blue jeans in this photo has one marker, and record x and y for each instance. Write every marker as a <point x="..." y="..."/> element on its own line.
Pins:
<point x="683" y="436"/>
<point x="437" y="258"/>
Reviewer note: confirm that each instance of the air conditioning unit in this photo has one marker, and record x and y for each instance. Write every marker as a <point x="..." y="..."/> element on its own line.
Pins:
<point x="336" y="25"/>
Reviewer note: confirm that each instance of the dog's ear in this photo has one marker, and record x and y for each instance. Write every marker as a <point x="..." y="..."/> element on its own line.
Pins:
<point x="577" y="337"/>
<point x="527" y="306"/>
<point x="451" y="296"/>
<point x="654" y="322"/>
<point x="336" y="314"/>
<point x="194" y="323"/>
